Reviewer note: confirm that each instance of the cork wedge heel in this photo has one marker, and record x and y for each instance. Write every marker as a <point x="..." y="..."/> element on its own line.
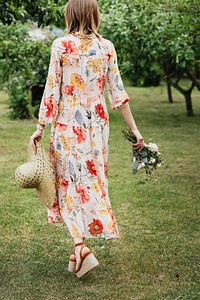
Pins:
<point x="72" y="262"/>
<point x="88" y="261"/>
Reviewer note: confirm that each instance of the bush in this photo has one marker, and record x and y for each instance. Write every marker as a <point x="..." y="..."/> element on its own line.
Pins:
<point x="24" y="65"/>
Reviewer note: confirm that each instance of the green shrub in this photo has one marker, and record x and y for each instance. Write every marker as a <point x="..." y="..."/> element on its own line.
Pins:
<point x="24" y="65"/>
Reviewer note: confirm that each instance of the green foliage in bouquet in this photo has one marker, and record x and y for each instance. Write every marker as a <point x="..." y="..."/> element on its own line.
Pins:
<point x="148" y="157"/>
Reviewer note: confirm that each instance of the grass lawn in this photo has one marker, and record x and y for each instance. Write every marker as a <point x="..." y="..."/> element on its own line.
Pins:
<point x="157" y="254"/>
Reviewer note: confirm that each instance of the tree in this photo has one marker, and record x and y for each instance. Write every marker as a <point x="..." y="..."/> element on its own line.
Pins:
<point x="162" y="33"/>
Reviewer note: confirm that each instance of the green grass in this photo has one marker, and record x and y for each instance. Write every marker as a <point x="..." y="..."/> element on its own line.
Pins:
<point x="156" y="256"/>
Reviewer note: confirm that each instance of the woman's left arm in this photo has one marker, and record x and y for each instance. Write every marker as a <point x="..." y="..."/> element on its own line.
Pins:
<point x="128" y="117"/>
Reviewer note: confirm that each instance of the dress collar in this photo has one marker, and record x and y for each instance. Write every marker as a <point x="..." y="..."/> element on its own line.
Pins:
<point x="82" y="35"/>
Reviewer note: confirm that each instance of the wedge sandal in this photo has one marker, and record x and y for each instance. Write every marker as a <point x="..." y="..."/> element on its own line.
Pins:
<point x="88" y="261"/>
<point x="72" y="262"/>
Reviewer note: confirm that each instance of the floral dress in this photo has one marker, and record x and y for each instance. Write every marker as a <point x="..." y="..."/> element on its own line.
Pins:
<point x="74" y="104"/>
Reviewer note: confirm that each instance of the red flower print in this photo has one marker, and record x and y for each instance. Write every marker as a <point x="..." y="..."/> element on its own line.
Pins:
<point x="80" y="132"/>
<point x="101" y="82"/>
<point x="109" y="56"/>
<point x="50" y="219"/>
<point x="103" y="193"/>
<point x="70" y="47"/>
<point x="68" y="90"/>
<point x="91" y="167"/>
<point x="100" y="111"/>
<point x="126" y="100"/>
<point x="81" y="189"/>
<point x="106" y="169"/>
<point x="96" y="227"/>
<point x="65" y="185"/>
<point x="61" y="127"/>
<point x="51" y="106"/>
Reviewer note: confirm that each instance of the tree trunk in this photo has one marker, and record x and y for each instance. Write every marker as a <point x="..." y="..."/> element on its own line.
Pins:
<point x="188" y="101"/>
<point x="169" y="90"/>
<point x="186" y="93"/>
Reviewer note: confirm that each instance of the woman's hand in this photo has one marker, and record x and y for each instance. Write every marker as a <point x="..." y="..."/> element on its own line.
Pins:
<point x="36" y="136"/>
<point x="126" y="113"/>
<point x="140" y="141"/>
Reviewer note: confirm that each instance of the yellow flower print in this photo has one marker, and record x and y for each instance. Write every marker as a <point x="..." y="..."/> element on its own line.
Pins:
<point x="72" y="102"/>
<point x="103" y="212"/>
<point x="100" y="180"/>
<point x="57" y="155"/>
<point x="68" y="199"/>
<point x="96" y="187"/>
<point x="85" y="43"/>
<point x="50" y="81"/>
<point x="65" y="61"/>
<point x="102" y="203"/>
<point x="94" y="64"/>
<point x="75" y="231"/>
<point x="66" y="147"/>
<point x="93" y="144"/>
<point x="77" y="80"/>
<point x="85" y="48"/>
<point x="90" y="62"/>
<point x="114" y="70"/>
<point x="61" y="106"/>
<point x="111" y="225"/>
<point x="65" y="141"/>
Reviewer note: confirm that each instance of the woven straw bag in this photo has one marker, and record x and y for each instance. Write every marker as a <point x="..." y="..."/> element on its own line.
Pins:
<point x="38" y="173"/>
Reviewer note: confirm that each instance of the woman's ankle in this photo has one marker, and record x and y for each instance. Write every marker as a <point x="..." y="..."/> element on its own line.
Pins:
<point x="78" y="240"/>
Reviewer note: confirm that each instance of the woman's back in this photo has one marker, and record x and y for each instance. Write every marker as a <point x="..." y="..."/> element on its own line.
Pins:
<point x="79" y="69"/>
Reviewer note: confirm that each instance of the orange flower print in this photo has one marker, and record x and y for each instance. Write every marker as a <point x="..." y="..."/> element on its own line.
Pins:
<point x="70" y="47"/>
<point x="81" y="189"/>
<point x="77" y="80"/>
<point x="101" y="82"/>
<point x="80" y="132"/>
<point x="68" y="90"/>
<point x="96" y="227"/>
<point x="91" y="167"/>
<point x="51" y="106"/>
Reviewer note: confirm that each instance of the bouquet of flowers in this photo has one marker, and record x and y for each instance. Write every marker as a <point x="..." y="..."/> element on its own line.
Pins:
<point x="148" y="158"/>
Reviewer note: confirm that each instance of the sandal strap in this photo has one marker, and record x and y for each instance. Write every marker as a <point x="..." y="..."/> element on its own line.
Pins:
<point x="79" y="244"/>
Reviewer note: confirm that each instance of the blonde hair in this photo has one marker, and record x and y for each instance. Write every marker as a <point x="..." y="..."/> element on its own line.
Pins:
<point x="82" y="16"/>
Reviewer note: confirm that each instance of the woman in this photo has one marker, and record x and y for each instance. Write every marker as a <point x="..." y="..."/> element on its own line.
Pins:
<point x="82" y="63"/>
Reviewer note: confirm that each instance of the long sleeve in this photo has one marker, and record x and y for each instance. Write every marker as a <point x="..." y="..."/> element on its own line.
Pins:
<point x="114" y="85"/>
<point x="51" y="96"/>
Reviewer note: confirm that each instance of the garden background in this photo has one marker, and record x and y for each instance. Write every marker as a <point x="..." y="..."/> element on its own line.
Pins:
<point x="157" y="254"/>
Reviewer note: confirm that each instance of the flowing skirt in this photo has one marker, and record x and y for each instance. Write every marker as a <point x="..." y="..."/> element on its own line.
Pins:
<point x="79" y="159"/>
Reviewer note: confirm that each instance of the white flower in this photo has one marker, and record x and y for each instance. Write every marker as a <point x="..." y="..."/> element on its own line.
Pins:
<point x="141" y="165"/>
<point x="152" y="160"/>
<point x="153" y="147"/>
